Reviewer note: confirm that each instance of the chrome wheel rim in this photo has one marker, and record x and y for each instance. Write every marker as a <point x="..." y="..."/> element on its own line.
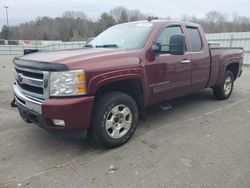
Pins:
<point x="228" y="85"/>
<point x="118" y="121"/>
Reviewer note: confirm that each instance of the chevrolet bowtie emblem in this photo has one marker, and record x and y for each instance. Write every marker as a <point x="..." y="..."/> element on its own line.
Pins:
<point x="19" y="78"/>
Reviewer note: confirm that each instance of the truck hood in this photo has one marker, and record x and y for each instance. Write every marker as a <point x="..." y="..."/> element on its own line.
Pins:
<point x="72" y="55"/>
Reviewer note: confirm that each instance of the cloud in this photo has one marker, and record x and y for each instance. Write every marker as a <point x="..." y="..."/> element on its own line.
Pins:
<point x="26" y="10"/>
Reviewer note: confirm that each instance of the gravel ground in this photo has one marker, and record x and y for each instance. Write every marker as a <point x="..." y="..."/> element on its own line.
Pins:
<point x="201" y="142"/>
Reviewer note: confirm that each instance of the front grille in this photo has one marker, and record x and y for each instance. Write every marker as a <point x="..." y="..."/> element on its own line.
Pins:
<point x="30" y="74"/>
<point x="30" y="82"/>
<point x="30" y="88"/>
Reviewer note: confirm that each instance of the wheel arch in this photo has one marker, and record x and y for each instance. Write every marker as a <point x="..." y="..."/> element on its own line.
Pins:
<point x="233" y="66"/>
<point x="131" y="85"/>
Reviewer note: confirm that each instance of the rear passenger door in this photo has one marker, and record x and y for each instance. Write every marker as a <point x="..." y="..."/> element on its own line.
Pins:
<point x="200" y="58"/>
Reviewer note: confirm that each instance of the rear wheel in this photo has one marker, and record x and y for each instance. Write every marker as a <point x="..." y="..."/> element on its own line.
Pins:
<point x="114" y="120"/>
<point x="224" y="91"/>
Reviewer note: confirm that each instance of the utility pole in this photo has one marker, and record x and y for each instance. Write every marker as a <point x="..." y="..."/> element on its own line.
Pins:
<point x="7" y="19"/>
<point x="7" y="16"/>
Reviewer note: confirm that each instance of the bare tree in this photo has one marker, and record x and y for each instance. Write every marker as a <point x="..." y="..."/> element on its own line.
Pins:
<point x="75" y="15"/>
<point x="135" y="15"/>
<point x="75" y="25"/>
<point x="214" y="19"/>
<point x="124" y="17"/>
<point x="117" y="12"/>
<point x="106" y="21"/>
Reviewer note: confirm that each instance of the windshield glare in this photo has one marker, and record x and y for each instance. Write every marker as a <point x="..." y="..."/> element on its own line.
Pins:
<point x="130" y="36"/>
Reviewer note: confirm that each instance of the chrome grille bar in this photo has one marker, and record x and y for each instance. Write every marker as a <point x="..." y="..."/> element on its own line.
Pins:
<point x="33" y="83"/>
<point x="28" y="80"/>
<point x="25" y="101"/>
<point x="30" y="93"/>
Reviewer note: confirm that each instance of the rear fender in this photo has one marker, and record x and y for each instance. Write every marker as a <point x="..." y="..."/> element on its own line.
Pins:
<point x="223" y="69"/>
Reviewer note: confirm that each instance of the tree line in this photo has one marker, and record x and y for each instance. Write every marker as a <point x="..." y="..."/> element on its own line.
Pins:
<point x="77" y="26"/>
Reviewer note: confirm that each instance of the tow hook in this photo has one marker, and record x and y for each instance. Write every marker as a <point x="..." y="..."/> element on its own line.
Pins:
<point x="13" y="103"/>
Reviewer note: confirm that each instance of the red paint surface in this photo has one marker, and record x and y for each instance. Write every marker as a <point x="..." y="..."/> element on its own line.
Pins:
<point x="76" y="112"/>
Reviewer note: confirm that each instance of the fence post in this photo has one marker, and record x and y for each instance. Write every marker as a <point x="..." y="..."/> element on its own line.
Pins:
<point x="9" y="47"/>
<point x="231" y="40"/>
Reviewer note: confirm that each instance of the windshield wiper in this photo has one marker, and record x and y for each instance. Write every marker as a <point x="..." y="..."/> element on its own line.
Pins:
<point x="107" y="46"/>
<point x="88" y="46"/>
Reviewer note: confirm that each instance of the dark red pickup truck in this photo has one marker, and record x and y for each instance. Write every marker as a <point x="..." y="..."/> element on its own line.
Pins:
<point x="105" y="87"/>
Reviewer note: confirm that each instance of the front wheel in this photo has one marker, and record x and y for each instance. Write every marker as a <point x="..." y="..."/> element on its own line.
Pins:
<point x="224" y="91"/>
<point x="114" y="120"/>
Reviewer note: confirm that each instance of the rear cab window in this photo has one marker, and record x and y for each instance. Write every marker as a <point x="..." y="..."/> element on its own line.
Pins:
<point x="195" y="39"/>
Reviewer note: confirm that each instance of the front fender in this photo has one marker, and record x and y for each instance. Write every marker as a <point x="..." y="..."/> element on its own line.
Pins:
<point x="109" y="77"/>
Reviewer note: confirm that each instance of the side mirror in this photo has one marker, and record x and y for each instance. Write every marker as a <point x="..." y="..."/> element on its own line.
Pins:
<point x="156" y="48"/>
<point x="177" y="45"/>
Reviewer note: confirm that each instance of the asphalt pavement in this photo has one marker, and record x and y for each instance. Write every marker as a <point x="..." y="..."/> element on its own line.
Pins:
<point x="199" y="143"/>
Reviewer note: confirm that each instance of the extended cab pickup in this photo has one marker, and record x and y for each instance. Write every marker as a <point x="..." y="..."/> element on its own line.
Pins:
<point x="105" y="87"/>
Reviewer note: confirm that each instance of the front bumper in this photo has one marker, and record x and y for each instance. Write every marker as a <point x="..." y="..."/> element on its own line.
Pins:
<point x="75" y="112"/>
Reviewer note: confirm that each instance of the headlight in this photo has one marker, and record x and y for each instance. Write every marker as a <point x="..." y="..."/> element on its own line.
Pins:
<point x="68" y="83"/>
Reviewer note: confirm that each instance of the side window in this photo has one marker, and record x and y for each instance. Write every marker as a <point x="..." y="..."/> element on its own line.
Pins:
<point x="164" y="37"/>
<point x="195" y="37"/>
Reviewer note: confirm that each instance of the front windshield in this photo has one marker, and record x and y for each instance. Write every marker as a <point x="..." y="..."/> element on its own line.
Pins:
<point x="130" y="36"/>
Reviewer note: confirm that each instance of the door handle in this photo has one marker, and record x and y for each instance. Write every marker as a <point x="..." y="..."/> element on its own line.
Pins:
<point x="185" y="61"/>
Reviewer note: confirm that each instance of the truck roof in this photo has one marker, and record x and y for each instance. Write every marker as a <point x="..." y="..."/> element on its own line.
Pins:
<point x="162" y="22"/>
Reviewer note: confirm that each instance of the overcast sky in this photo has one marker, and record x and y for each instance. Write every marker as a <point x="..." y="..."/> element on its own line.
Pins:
<point x="26" y="10"/>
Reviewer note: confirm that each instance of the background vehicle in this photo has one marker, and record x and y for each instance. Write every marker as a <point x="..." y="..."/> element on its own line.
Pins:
<point x="104" y="88"/>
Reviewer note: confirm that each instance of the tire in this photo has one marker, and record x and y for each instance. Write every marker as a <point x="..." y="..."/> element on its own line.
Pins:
<point x="225" y="90"/>
<point x="114" y="120"/>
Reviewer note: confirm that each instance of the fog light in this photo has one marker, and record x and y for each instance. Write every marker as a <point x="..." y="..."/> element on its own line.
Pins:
<point x="59" y="122"/>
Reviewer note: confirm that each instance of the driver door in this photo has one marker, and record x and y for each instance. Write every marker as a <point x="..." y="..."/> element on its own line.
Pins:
<point x="169" y="75"/>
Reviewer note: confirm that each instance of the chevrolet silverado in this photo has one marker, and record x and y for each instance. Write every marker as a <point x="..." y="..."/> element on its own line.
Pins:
<point x="103" y="89"/>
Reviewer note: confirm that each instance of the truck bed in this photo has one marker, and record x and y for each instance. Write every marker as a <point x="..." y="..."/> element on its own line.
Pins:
<point x="224" y="54"/>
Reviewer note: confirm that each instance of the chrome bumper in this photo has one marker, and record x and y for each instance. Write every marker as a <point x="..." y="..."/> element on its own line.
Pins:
<point x="26" y="101"/>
